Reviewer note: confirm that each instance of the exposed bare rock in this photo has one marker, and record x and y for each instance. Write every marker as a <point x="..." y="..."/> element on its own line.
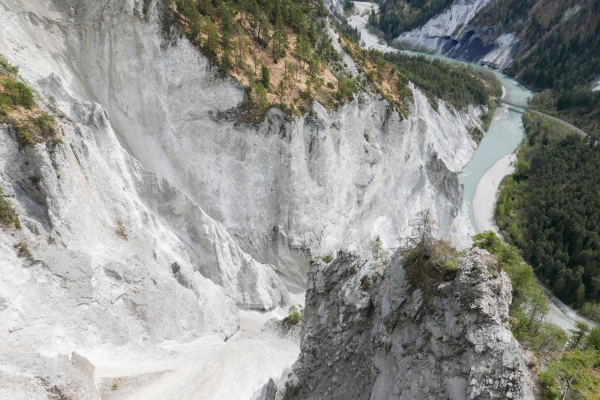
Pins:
<point x="450" y="34"/>
<point x="33" y="376"/>
<point x="368" y="334"/>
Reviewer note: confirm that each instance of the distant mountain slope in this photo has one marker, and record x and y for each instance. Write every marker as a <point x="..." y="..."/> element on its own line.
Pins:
<point x="551" y="46"/>
<point x="560" y="39"/>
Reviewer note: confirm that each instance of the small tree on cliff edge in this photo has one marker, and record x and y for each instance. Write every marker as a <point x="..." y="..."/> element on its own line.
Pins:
<point x="421" y="244"/>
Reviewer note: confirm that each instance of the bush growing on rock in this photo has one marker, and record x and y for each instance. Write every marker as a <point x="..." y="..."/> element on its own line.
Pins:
<point x="295" y="316"/>
<point x="11" y="69"/>
<point x="8" y="215"/>
<point x="376" y="247"/>
<point x="19" y="93"/>
<point x="327" y="259"/>
<point x="121" y="231"/>
<point x="428" y="261"/>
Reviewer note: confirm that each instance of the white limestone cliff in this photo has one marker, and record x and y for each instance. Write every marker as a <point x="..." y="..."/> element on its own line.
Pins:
<point x="450" y="34"/>
<point x="214" y="211"/>
<point x="281" y="189"/>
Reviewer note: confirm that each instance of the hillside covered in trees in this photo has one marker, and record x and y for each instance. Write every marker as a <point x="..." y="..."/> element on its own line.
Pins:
<point x="397" y="16"/>
<point x="283" y="53"/>
<point x="550" y="208"/>
<point x="560" y="56"/>
<point x="559" y="47"/>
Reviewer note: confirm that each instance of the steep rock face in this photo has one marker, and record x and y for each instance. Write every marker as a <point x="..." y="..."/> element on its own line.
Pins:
<point x="282" y="189"/>
<point x="368" y="334"/>
<point x="81" y="276"/>
<point x="450" y="34"/>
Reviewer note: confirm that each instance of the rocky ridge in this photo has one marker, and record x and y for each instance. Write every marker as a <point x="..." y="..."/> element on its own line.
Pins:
<point x="368" y="334"/>
<point x="450" y="34"/>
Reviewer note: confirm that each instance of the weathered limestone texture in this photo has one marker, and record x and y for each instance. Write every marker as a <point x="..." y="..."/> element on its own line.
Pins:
<point x="368" y="335"/>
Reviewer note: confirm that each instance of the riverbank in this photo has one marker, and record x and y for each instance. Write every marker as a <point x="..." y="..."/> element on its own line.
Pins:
<point x="491" y="162"/>
<point x="484" y="200"/>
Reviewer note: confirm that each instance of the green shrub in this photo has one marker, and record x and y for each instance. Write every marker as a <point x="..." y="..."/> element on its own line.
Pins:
<point x="6" y="65"/>
<point x="592" y="311"/>
<point x="260" y="97"/>
<point x="22" y="250"/>
<point x="24" y="136"/>
<point x="326" y="258"/>
<point x="376" y="247"/>
<point x="46" y="124"/>
<point x="19" y="93"/>
<point x="8" y="215"/>
<point x="427" y="260"/>
<point x="121" y="231"/>
<point x="6" y="104"/>
<point x="294" y="316"/>
<point x="266" y="77"/>
<point x="592" y="340"/>
<point x="572" y="376"/>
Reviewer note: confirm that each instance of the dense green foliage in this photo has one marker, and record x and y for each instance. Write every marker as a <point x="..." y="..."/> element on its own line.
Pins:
<point x="561" y="40"/>
<point x="8" y="215"/>
<point x="511" y="14"/>
<point x="14" y="94"/>
<point x="269" y="21"/>
<point x="591" y="310"/>
<point x="458" y="85"/>
<point x="579" y="106"/>
<point x="397" y="16"/>
<point x="294" y="315"/>
<point x="560" y="53"/>
<point x="550" y="208"/>
<point x="570" y="367"/>
<point x="572" y="376"/>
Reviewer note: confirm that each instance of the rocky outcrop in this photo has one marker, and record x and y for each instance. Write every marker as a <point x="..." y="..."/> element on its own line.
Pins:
<point x="367" y="333"/>
<point x="450" y="34"/>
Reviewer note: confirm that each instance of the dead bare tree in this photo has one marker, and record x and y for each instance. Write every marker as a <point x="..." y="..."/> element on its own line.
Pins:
<point x="422" y="242"/>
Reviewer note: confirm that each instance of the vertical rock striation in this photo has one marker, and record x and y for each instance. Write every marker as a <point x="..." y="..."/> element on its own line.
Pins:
<point x="450" y="34"/>
<point x="283" y="189"/>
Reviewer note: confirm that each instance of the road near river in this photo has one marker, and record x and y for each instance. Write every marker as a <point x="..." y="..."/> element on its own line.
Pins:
<point x="493" y="159"/>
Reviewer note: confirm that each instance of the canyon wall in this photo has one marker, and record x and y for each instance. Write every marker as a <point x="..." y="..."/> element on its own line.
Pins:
<point x="450" y="34"/>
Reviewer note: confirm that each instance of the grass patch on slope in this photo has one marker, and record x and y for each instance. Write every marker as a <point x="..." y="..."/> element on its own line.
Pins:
<point x="18" y="109"/>
<point x="8" y="215"/>
<point x="279" y="50"/>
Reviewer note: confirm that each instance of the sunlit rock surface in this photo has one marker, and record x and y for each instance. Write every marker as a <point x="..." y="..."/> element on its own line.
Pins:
<point x="450" y="34"/>
<point x="367" y="333"/>
<point x="158" y="213"/>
